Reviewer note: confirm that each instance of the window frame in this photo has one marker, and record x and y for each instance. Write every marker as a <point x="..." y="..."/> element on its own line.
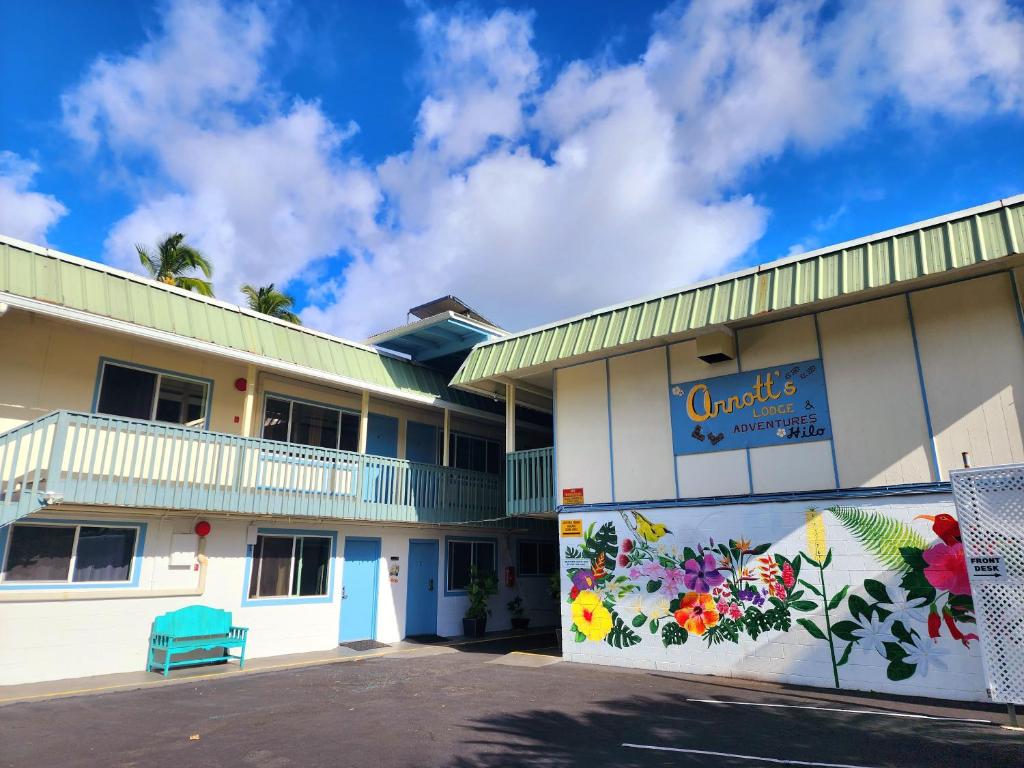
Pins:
<point x="449" y="540"/>
<point x="134" y="571"/>
<point x="206" y="383"/>
<point x="537" y="543"/>
<point x="489" y="444"/>
<point x="250" y="551"/>
<point x="341" y="410"/>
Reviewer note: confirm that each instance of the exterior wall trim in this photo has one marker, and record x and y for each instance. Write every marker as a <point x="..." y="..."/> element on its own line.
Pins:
<point x="881" y="491"/>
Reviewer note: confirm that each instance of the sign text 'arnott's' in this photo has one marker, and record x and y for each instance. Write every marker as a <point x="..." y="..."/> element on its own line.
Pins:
<point x="770" y="406"/>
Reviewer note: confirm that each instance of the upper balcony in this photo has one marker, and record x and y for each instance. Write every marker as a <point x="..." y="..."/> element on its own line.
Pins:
<point x="530" y="482"/>
<point x="91" y="459"/>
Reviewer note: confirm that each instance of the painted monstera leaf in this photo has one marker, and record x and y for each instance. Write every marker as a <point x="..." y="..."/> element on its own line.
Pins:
<point x="882" y="536"/>
<point x="605" y="541"/>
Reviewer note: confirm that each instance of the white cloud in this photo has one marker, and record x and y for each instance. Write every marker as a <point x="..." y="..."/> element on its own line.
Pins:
<point x="530" y="201"/>
<point x="25" y="214"/>
<point x="257" y="183"/>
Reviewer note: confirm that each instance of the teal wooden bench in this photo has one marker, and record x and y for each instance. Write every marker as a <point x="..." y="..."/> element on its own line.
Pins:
<point x="194" y="628"/>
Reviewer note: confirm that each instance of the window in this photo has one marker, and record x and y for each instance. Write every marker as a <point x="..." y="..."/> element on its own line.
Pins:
<point x="139" y="393"/>
<point x="290" y="566"/>
<point x="294" y="421"/>
<point x="476" y="453"/>
<point x="69" y="553"/>
<point x="538" y="558"/>
<point x="463" y="554"/>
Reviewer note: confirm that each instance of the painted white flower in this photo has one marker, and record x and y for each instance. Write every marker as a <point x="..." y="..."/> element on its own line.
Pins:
<point x="780" y="432"/>
<point x="905" y="610"/>
<point x="656" y="606"/>
<point x="925" y="653"/>
<point x="873" y="635"/>
<point x="631" y="604"/>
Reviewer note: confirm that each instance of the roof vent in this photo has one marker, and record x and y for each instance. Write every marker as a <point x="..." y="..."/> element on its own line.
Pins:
<point x="717" y="347"/>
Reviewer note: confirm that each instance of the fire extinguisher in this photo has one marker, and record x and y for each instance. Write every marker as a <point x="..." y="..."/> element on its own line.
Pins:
<point x="510" y="576"/>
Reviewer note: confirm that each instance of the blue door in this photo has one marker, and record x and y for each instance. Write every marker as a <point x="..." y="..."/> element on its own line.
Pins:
<point x="421" y="443"/>
<point x="359" y="589"/>
<point x="382" y="435"/>
<point x="421" y="599"/>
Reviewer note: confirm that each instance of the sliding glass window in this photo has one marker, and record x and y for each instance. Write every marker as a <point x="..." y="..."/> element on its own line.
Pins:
<point x="296" y="421"/>
<point x="141" y="393"/>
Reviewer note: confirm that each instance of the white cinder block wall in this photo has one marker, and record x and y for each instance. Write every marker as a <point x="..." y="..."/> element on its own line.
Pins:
<point x="793" y="656"/>
<point x="63" y="639"/>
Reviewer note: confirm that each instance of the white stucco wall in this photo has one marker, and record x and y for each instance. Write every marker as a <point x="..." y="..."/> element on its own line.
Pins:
<point x="792" y="655"/>
<point x="55" y="640"/>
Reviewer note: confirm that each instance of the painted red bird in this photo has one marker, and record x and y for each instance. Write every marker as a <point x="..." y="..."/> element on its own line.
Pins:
<point x="945" y="527"/>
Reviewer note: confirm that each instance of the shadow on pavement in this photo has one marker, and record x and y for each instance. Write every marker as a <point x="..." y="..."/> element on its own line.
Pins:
<point x="556" y="738"/>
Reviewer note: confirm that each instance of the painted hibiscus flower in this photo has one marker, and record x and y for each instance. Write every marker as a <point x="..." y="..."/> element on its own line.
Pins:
<point x="697" y="613"/>
<point x="583" y="579"/>
<point x="947" y="568"/>
<point x="701" y="575"/>
<point x="591" y="617"/>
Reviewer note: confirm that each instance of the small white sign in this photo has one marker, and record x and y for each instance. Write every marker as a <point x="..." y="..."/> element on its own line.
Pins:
<point x="577" y="562"/>
<point x="987" y="567"/>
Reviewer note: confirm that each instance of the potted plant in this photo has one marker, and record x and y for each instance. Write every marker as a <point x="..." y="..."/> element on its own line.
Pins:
<point x="515" y="607"/>
<point x="481" y="588"/>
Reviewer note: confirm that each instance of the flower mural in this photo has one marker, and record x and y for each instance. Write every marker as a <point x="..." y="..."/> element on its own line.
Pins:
<point x="651" y="587"/>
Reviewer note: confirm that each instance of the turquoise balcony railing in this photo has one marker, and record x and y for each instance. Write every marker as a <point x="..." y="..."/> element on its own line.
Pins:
<point x="530" y="482"/>
<point x="90" y="459"/>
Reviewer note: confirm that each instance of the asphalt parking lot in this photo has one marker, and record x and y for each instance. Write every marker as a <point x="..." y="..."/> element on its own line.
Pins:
<point x="479" y="707"/>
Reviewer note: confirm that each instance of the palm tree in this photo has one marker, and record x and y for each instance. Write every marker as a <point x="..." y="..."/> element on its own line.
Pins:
<point x="269" y="301"/>
<point x="173" y="260"/>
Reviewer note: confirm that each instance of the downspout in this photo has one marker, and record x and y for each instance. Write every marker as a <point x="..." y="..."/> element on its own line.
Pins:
<point x="47" y="596"/>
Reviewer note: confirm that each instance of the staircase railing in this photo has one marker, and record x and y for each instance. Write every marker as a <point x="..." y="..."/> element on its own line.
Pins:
<point x="109" y="460"/>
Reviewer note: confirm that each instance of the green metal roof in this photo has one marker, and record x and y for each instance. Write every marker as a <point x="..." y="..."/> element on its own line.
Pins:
<point x="57" y="279"/>
<point x="927" y="248"/>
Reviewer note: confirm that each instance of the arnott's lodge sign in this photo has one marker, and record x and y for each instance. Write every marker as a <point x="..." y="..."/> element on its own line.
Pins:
<point x="769" y="406"/>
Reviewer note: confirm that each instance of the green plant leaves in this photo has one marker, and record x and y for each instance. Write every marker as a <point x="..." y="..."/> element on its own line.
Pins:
<point x="877" y="590"/>
<point x="837" y="598"/>
<point x="673" y="634"/>
<point x="653" y="626"/>
<point x="654" y="585"/>
<point x="882" y="536"/>
<point x="812" y="629"/>
<point x="803" y="605"/>
<point x="621" y="636"/>
<point x="638" y="620"/>
<point x="859" y="606"/>
<point x="844" y="630"/>
<point x="846" y="656"/>
<point x="605" y="541"/>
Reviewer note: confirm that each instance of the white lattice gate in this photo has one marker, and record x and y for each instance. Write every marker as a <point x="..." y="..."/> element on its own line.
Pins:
<point x="990" y="510"/>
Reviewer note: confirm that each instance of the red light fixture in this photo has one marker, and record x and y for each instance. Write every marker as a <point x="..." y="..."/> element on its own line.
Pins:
<point x="241" y="384"/>
<point x="203" y="529"/>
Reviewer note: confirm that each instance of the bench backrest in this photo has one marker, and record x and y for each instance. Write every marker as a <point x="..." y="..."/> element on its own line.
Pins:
<point x="193" y="621"/>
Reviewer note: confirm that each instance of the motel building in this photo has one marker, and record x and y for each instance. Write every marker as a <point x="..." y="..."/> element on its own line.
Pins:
<point x="748" y="477"/>
<point x="344" y="489"/>
<point x="752" y="473"/>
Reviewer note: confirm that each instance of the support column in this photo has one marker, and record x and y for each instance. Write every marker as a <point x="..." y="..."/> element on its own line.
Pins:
<point x="445" y="458"/>
<point x="249" y="406"/>
<point x="510" y="418"/>
<point x="364" y="421"/>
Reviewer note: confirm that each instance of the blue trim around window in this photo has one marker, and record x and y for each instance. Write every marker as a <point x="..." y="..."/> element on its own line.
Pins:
<point x="482" y="539"/>
<point x="137" y="555"/>
<point x="541" y="542"/>
<point x="259" y="601"/>
<point x="151" y="369"/>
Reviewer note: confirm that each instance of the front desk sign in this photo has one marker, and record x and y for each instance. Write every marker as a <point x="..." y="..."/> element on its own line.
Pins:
<point x="783" y="405"/>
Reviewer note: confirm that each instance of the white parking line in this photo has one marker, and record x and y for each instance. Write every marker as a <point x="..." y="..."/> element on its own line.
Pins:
<point x="743" y="757"/>
<point x="847" y="711"/>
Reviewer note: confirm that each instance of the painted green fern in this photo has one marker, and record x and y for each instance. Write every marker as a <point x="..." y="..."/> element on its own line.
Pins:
<point x="882" y="536"/>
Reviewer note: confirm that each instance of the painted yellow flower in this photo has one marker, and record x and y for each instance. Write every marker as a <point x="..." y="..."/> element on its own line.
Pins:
<point x="590" y="616"/>
<point x="816" y="543"/>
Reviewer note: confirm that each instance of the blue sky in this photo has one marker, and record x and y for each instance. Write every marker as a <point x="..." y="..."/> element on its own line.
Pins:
<point x="537" y="159"/>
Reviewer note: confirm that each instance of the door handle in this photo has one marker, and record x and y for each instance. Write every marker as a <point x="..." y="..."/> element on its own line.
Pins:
<point x="344" y="594"/>
<point x="430" y="586"/>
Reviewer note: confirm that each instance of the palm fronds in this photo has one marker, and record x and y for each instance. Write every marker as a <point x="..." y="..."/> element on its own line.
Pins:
<point x="173" y="261"/>
<point x="268" y="300"/>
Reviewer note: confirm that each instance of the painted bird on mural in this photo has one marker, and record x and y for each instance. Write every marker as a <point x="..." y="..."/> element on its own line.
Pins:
<point x="645" y="528"/>
<point x="945" y="527"/>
